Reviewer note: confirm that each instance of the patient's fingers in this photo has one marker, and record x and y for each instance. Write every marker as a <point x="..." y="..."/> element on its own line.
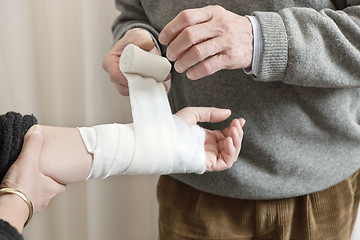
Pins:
<point x="237" y="137"/>
<point x="229" y="145"/>
<point x="236" y="133"/>
<point x="242" y="122"/>
<point x="230" y="151"/>
<point x="193" y="115"/>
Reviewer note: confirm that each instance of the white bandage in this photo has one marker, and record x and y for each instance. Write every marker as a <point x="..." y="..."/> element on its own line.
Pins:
<point x="157" y="142"/>
<point x="112" y="146"/>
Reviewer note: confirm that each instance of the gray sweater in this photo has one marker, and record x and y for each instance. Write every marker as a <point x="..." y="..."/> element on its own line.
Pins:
<point x="302" y="112"/>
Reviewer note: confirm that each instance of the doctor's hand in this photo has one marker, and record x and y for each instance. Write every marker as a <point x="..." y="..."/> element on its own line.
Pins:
<point x="137" y="36"/>
<point x="222" y="147"/>
<point x="206" y="40"/>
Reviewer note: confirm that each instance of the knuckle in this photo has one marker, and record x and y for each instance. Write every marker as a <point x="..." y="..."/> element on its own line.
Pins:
<point x="230" y="41"/>
<point x="186" y="16"/>
<point x="224" y="25"/>
<point x="217" y="8"/>
<point x="198" y="51"/>
<point x="231" y="56"/>
<point x="190" y="34"/>
<point x="169" y="31"/>
<point x="207" y="68"/>
<point x="229" y="60"/>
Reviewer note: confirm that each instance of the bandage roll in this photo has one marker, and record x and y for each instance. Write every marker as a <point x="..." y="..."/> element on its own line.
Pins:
<point x="153" y="126"/>
<point x="157" y="142"/>
<point x="146" y="64"/>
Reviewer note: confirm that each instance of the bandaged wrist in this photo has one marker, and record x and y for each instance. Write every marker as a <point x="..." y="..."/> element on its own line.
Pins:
<point x="113" y="147"/>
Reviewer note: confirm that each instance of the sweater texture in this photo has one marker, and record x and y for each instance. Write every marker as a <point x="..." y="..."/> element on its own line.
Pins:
<point x="8" y="232"/>
<point x="302" y="112"/>
<point x="13" y="127"/>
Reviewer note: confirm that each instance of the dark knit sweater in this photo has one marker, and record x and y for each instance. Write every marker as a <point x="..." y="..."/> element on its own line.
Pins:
<point x="8" y="232"/>
<point x="13" y="127"/>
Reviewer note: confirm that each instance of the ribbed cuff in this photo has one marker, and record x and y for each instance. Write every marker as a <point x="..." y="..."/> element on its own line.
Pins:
<point x="275" y="47"/>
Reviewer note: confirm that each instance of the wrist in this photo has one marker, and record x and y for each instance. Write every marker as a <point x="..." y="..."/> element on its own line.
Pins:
<point x="13" y="210"/>
<point x="63" y="156"/>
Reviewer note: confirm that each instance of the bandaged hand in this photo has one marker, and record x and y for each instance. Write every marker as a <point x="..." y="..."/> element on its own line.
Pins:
<point x="118" y="150"/>
<point x="222" y="147"/>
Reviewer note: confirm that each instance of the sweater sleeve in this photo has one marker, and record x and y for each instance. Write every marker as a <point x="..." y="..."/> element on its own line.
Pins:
<point x="13" y="127"/>
<point x="132" y="15"/>
<point x="8" y="232"/>
<point x="312" y="48"/>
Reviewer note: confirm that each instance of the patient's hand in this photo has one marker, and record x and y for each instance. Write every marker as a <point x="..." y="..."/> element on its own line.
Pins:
<point x="65" y="158"/>
<point x="222" y="147"/>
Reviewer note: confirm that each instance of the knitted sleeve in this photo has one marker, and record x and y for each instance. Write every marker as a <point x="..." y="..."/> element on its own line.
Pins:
<point x="13" y="127"/>
<point x="132" y="16"/>
<point x="8" y="232"/>
<point x="313" y="48"/>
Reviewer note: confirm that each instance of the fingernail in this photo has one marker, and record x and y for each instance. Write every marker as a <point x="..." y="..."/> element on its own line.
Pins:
<point x="225" y="111"/>
<point x="242" y="122"/>
<point x="178" y="67"/>
<point x="189" y="75"/>
<point x="37" y="129"/>
<point x="170" y="56"/>
<point x="162" y="38"/>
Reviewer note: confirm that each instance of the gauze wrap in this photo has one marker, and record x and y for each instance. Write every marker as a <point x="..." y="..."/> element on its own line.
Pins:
<point x="157" y="142"/>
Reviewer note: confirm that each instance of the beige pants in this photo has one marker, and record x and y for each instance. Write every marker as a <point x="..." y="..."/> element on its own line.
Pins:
<point x="186" y="213"/>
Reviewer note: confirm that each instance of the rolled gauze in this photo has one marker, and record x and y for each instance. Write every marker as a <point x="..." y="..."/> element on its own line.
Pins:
<point x="157" y="142"/>
<point x="146" y="64"/>
<point x="153" y="124"/>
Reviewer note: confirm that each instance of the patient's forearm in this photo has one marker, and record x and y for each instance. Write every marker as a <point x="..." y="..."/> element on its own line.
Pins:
<point x="64" y="156"/>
